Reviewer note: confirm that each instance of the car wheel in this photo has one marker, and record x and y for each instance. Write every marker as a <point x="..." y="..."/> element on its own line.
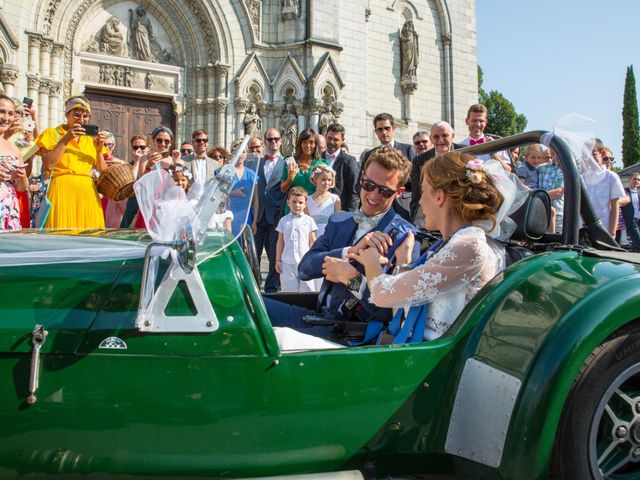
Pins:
<point x="599" y="431"/>
<point x="249" y="249"/>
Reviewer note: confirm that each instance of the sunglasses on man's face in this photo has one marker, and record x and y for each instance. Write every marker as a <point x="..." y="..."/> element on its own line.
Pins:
<point x="186" y="151"/>
<point x="370" y="186"/>
<point x="200" y="140"/>
<point x="139" y="147"/>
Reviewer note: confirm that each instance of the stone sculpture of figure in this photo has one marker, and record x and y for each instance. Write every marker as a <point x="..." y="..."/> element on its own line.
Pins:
<point x="140" y="35"/>
<point x="409" y="49"/>
<point x="289" y="128"/>
<point x="111" y="39"/>
<point x="326" y="118"/>
<point x="253" y="122"/>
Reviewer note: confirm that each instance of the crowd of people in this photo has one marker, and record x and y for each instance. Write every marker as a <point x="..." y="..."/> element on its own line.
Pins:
<point x="327" y="221"/>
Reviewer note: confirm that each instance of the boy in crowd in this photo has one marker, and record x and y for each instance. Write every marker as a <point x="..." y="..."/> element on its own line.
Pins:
<point x="296" y="234"/>
<point x="527" y="171"/>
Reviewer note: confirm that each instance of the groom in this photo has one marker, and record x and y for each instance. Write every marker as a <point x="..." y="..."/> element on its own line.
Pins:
<point x="344" y="293"/>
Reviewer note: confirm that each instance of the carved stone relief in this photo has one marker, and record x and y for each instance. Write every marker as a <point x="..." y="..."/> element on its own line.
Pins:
<point x="137" y="41"/>
<point x="127" y="76"/>
<point x="255" y="15"/>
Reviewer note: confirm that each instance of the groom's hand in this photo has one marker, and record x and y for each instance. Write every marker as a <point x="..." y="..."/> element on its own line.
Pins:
<point x="337" y="270"/>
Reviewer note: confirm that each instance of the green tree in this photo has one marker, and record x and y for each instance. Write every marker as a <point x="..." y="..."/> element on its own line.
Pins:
<point x="630" y="133"/>
<point x="503" y="120"/>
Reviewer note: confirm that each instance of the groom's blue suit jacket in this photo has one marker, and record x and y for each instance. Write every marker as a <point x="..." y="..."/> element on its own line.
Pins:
<point x="339" y="233"/>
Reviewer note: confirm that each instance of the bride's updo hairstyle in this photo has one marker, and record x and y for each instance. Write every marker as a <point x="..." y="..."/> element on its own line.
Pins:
<point x="470" y="188"/>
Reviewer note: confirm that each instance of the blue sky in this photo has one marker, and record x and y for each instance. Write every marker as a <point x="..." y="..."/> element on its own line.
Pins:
<point x="550" y="58"/>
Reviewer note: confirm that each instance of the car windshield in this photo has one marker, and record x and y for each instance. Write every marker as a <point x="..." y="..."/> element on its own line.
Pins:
<point x="226" y="205"/>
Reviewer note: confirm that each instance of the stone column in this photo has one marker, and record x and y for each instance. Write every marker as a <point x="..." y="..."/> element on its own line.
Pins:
<point x="54" y="96"/>
<point x="221" y="80"/>
<point x="34" y="52"/>
<point x="8" y="76"/>
<point x="45" y="57"/>
<point x="43" y="104"/>
<point x="241" y="103"/>
<point x="200" y="96"/>
<point x="278" y="109"/>
<point x="56" y="53"/>
<point x="409" y="84"/>
<point x="314" y="111"/>
<point x="445" y="38"/>
<point x="210" y="95"/>
<point x="220" y="108"/>
<point x="298" y="109"/>
<point x="33" y="84"/>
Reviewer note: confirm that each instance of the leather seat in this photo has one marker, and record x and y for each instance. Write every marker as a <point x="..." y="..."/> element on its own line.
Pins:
<point x="532" y="221"/>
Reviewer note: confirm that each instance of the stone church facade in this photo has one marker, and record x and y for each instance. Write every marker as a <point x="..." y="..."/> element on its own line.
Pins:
<point x="233" y="65"/>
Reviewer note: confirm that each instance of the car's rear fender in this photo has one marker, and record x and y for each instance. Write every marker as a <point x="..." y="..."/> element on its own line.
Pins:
<point x="582" y="304"/>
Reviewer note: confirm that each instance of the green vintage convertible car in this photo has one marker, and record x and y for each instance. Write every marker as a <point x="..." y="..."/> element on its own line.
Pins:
<point x="128" y="356"/>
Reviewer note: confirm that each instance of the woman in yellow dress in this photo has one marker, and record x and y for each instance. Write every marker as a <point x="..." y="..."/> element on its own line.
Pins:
<point x="71" y="154"/>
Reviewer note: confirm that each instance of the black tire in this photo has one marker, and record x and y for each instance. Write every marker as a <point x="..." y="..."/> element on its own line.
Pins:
<point x="250" y="251"/>
<point x="599" y="432"/>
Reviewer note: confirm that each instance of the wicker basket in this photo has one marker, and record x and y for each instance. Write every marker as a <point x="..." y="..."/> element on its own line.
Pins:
<point x="116" y="182"/>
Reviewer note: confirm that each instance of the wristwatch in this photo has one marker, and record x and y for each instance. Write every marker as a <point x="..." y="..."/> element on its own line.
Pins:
<point x="355" y="283"/>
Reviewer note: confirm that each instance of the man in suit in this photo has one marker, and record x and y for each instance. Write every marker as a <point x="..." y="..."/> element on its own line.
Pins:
<point x="201" y="166"/>
<point x="631" y="211"/>
<point x="421" y="142"/>
<point x="344" y="294"/>
<point x="384" y="127"/>
<point x="270" y="202"/>
<point x="476" y="122"/>
<point x="441" y="136"/>
<point x="345" y="166"/>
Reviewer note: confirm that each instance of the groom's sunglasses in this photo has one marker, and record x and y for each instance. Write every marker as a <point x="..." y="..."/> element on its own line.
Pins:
<point x="369" y="186"/>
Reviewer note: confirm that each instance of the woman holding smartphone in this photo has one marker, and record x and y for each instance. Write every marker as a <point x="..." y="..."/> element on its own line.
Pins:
<point x="13" y="178"/>
<point x="70" y="153"/>
<point x="161" y="155"/>
<point x="297" y="171"/>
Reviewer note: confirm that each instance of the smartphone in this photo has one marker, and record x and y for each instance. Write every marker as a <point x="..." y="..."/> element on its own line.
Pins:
<point x="91" y="130"/>
<point x="166" y="154"/>
<point x="28" y="102"/>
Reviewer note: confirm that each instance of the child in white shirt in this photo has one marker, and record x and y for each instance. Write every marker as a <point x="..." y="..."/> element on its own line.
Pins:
<point x="296" y="234"/>
<point x="323" y="203"/>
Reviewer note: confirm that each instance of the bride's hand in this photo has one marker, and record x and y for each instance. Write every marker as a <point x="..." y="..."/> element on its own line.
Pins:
<point x="369" y="257"/>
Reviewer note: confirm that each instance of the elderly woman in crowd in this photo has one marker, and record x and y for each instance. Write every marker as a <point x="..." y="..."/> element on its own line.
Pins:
<point x="297" y="171"/>
<point x="113" y="211"/>
<point x="71" y="155"/>
<point x="13" y="178"/>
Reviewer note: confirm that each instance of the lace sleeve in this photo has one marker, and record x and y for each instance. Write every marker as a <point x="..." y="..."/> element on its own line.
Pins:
<point x="461" y="262"/>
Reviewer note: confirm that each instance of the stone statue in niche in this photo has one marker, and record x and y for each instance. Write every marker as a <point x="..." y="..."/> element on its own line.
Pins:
<point x="409" y="49"/>
<point x="290" y="9"/>
<point x="326" y="118"/>
<point x="140" y="35"/>
<point x="252" y="122"/>
<point x="289" y="129"/>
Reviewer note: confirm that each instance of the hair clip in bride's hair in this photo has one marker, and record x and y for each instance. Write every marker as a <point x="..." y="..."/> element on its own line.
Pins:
<point x="475" y="171"/>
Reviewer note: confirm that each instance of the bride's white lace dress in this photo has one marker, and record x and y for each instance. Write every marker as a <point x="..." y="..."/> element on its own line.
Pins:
<point x="447" y="281"/>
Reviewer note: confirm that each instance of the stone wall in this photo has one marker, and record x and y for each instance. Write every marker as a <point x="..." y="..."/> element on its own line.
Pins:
<point x="225" y="55"/>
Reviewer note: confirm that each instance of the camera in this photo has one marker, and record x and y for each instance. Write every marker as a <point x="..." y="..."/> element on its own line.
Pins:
<point x="27" y="102"/>
<point x="166" y="154"/>
<point x="91" y="130"/>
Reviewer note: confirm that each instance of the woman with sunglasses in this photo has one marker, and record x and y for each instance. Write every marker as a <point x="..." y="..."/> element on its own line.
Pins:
<point x="70" y="154"/>
<point x="161" y="155"/>
<point x="219" y="154"/>
<point x="466" y="200"/>
<point x="297" y="169"/>
<point x="139" y="152"/>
